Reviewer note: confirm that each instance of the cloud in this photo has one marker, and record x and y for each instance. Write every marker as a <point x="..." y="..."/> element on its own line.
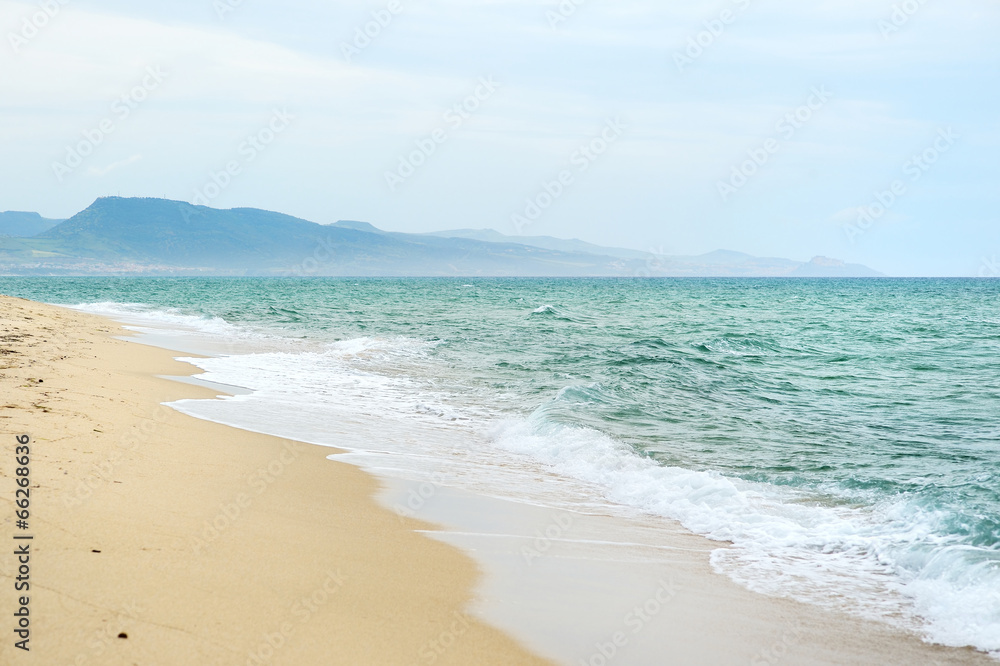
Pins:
<point x="558" y="86"/>
<point x="103" y="171"/>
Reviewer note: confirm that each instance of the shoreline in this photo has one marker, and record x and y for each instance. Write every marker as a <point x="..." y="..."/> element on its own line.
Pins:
<point x="201" y="543"/>
<point x="580" y="587"/>
<point x="575" y="602"/>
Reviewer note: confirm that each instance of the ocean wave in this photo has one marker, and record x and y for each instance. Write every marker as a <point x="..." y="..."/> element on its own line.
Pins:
<point x="883" y="561"/>
<point x="553" y="313"/>
<point x="881" y="554"/>
<point x="171" y="320"/>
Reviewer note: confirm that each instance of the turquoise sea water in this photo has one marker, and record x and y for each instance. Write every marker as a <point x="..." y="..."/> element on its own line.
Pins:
<point x="843" y="434"/>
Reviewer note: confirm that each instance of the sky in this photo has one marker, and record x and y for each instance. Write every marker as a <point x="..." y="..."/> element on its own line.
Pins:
<point x="864" y="130"/>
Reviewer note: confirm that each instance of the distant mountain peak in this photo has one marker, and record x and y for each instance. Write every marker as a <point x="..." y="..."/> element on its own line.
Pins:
<point x="21" y="224"/>
<point x="726" y="256"/>
<point x="826" y="261"/>
<point x="357" y="226"/>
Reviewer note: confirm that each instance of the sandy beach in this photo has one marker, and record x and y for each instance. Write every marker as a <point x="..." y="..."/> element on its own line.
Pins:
<point x="159" y="538"/>
<point x="494" y="333"/>
<point x="201" y="543"/>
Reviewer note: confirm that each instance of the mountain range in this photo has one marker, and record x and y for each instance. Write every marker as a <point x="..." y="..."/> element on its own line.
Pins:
<point x="150" y="236"/>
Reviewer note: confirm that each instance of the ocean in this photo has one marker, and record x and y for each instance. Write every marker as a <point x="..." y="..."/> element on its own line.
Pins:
<point x="843" y="435"/>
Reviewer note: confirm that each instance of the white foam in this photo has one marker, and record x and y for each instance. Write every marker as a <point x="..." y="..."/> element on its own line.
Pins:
<point x="170" y="321"/>
<point x="382" y="399"/>
<point x="880" y="562"/>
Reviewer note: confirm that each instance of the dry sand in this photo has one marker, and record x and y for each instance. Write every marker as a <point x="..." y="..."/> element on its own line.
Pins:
<point x="203" y="544"/>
